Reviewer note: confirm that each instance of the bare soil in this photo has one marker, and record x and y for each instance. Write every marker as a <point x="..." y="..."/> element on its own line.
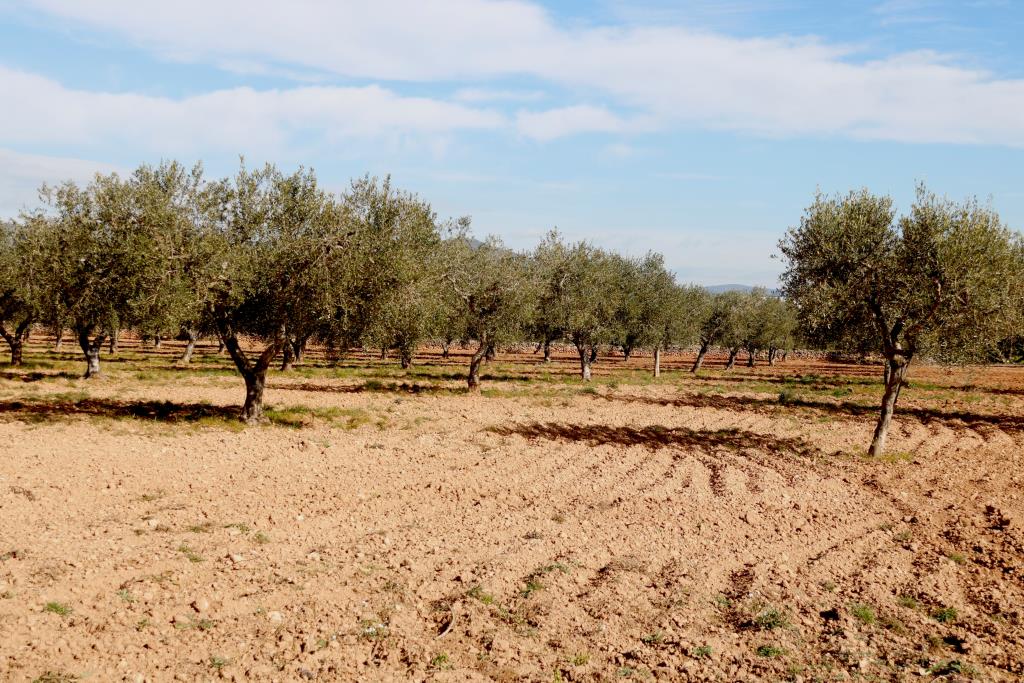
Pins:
<point x="388" y="526"/>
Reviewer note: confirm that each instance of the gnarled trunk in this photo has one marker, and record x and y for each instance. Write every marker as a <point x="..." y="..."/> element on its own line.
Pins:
<point x="750" y="358"/>
<point x="586" y="361"/>
<point x="547" y="350"/>
<point x="446" y="348"/>
<point x="473" y="380"/>
<point x="627" y="351"/>
<point x="657" y="361"/>
<point x="91" y="348"/>
<point x="255" y="382"/>
<point x="700" y="357"/>
<point x="405" y="358"/>
<point x="771" y="355"/>
<point x="491" y="353"/>
<point x="895" y="373"/>
<point x="287" y="356"/>
<point x="16" y="340"/>
<point x="157" y="341"/>
<point x="190" y="346"/>
<point x="112" y="348"/>
<point x="732" y="358"/>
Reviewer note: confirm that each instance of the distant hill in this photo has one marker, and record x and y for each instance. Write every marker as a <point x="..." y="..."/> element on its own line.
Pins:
<point x="718" y="289"/>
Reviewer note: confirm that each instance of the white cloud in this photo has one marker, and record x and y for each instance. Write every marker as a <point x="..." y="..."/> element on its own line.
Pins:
<point x="671" y="74"/>
<point x="555" y="123"/>
<point x="21" y="176"/>
<point x="233" y="120"/>
<point x="497" y="95"/>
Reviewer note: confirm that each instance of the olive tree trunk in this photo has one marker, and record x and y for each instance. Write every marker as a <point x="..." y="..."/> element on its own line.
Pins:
<point x="750" y="357"/>
<point x="91" y="347"/>
<point x="254" y="373"/>
<point x="657" y="361"/>
<point x="287" y="356"/>
<point x="58" y="339"/>
<point x="16" y="340"/>
<point x="477" y="360"/>
<point x="587" y="354"/>
<point x="547" y="350"/>
<point x="190" y="346"/>
<point x="700" y="356"/>
<point x="112" y="348"/>
<point x="895" y="373"/>
<point x="732" y="359"/>
<point x="252" y="409"/>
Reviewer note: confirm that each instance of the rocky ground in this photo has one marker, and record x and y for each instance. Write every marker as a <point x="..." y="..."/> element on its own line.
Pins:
<point x="387" y="526"/>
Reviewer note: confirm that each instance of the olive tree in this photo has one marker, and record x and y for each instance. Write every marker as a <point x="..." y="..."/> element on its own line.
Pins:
<point x="934" y="282"/>
<point x="104" y="264"/>
<point x="395" y="281"/>
<point x="713" y="313"/>
<point x="23" y="264"/>
<point x="276" y="246"/>
<point x="493" y="287"/>
<point x="582" y="295"/>
<point x="546" y="263"/>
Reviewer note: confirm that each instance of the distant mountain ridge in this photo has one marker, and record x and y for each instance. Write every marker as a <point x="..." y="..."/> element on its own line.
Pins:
<point x="718" y="289"/>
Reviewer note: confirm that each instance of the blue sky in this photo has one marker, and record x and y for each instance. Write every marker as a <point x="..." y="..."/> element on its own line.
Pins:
<point x="699" y="129"/>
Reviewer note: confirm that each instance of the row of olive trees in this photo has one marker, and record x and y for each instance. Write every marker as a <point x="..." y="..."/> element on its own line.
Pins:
<point x="273" y="258"/>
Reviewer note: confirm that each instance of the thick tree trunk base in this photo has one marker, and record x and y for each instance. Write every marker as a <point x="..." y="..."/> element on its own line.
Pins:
<point x="190" y="347"/>
<point x="894" y="376"/>
<point x="657" y="361"/>
<point x="92" y="364"/>
<point x="252" y="409"/>
<point x="700" y="359"/>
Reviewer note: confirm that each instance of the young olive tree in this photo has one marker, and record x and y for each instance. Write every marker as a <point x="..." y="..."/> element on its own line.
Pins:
<point x="276" y="246"/>
<point x="103" y="259"/>
<point x="936" y="282"/>
<point x="22" y="267"/>
<point x="651" y="311"/>
<point x="395" y="281"/>
<point x="493" y="287"/>
<point x="712" y="312"/>
<point x="583" y="294"/>
<point x="546" y="263"/>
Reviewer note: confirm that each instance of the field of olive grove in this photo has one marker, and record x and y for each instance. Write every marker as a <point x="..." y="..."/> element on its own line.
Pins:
<point x="257" y="430"/>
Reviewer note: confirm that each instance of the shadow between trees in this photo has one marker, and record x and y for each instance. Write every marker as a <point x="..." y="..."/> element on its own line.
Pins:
<point x="56" y="410"/>
<point x="971" y="420"/>
<point x="657" y="436"/>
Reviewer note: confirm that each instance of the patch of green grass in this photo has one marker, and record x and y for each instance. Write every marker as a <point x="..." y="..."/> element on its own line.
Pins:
<point x="945" y="615"/>
<point x="218" y="663"/>
<point x="189" y="553"/>
<point x="150" y="497"/>
<point x="244" y="528"/>
<point x="903" y="536"/>
<point x="788" y="397"/>
<point x="865" y="614"/>
<point x="125" y="595"/>
<point x="951" y="668"/>
<point x="769" y="651"/>
<point x="203" y="528"/>
<point x="260" y="538"/>
<point x="770" y="619"/>
<point x="441" y="661"/>
<point x="829" y="586"/>
<point x="956" y="557"/>
<point x="477" y="593"/>
<point x="59" y="608"/>
<point x="580" y="659"/>
<point x="653" y="638"/>
<point x="142" y="625"/>
<point x="701" y="652"/>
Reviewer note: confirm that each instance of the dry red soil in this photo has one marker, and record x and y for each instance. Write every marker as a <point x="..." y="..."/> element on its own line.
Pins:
<point x="683" y="529"/>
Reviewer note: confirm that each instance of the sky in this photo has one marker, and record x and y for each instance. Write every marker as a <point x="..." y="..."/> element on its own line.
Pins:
<point x="696" y="128"/>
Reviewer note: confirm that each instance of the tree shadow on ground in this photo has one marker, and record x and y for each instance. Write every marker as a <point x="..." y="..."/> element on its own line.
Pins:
<point x="370" y="386"/>
<point x="36" y="376"/>
<point x="658" y="436"/>
<point x="970" y="420"/>
<point x="55" y="410"/>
